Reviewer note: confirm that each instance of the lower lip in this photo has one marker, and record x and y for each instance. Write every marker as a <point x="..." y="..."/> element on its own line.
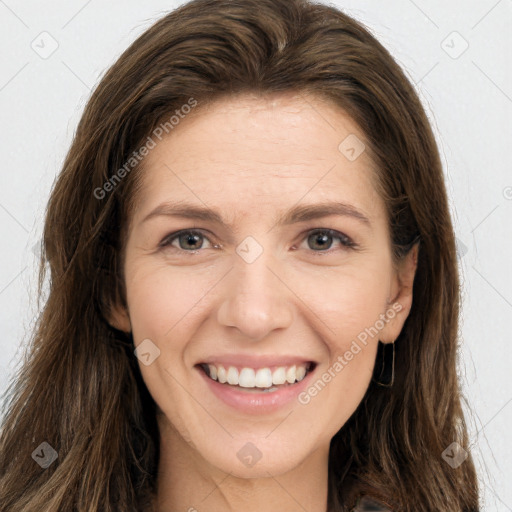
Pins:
<point x="252" y="402"/>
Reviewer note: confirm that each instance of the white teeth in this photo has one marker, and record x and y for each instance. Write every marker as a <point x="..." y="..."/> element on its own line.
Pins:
<point x="290" y="374"/>
<point x="261" y="378"/>
<point x="232" y="376"/>
<point x="221" y="374"/>
<point x="279" y="375"/>
<point x="247" y="378"/>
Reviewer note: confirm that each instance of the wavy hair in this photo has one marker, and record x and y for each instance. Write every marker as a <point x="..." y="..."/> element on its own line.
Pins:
<point x="80" y="388"/>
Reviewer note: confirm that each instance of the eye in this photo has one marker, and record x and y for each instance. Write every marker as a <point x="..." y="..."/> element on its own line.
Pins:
<point x="319" y="239"/>
<point x="188" y="240"/>
<point x="191" y="241"/>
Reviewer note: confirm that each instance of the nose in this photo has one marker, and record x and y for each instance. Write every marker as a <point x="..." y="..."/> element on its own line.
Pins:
<point x="256" y="299"/>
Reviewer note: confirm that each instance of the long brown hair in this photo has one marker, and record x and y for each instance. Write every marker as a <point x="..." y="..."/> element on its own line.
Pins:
<point x="80" y="389"/>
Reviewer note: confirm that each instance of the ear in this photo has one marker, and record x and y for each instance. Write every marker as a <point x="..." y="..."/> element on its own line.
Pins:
<point x="399" y="305"/>
<point x="119" y="318"/>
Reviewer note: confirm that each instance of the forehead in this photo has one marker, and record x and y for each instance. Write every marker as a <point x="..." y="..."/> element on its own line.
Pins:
<point x="272" y="150"/>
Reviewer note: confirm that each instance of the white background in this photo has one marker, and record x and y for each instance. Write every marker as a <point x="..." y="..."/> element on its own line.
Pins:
<point x="468" y="99"/>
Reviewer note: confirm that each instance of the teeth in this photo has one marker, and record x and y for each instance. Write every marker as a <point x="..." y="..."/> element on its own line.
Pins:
<point x="261" y="378"/>
<point x="290" y="374"/>
<point x="221" y="375"/>
<point x="279" y="376"/>
<point x="232" y="376"/>
<point x="247" y="378"/>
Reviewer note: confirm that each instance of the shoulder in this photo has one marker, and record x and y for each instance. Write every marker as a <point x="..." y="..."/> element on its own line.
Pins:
<point x="367" y="504"/>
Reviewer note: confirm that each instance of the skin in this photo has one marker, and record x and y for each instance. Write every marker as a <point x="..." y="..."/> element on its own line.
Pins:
<point x="269" y="153"/>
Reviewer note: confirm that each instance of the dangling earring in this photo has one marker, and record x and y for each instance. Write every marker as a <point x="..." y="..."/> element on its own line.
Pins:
<point x="384" y="373"/>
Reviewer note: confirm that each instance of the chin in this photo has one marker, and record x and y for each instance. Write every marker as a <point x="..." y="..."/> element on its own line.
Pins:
<point x="253" y="457"/>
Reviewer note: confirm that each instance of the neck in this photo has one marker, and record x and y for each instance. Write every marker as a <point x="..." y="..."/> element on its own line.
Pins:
<point x="187" y="482"/>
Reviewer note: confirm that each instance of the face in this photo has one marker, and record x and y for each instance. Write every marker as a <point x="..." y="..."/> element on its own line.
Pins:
<point x="267" y="284"/>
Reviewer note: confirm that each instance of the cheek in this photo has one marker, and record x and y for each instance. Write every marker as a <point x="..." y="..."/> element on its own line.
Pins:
<point x="162" y="299"/>
<point x="348" y="300"/>
<point x="164" y="303"/>
<point x="353" y="366"/>
<point x="339" y="386"/>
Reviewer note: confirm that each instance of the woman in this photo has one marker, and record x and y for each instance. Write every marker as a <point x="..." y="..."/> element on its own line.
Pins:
<point x="198" y="350"/>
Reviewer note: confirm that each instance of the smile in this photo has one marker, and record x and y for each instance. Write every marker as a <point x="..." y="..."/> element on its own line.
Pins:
<point x="265" y="377"/>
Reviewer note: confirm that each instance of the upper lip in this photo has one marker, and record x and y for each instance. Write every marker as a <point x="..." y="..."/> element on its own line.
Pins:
<point x="263" y="361"/>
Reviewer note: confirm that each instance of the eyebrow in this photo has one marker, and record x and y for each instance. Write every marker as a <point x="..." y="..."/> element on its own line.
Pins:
<point x="299" y="213"/>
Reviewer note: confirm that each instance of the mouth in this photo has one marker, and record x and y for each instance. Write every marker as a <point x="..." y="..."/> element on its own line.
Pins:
<point x="257" y="380"/>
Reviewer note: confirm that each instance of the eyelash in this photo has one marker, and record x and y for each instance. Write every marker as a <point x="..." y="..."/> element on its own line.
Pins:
<point x="345" y="241"/>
